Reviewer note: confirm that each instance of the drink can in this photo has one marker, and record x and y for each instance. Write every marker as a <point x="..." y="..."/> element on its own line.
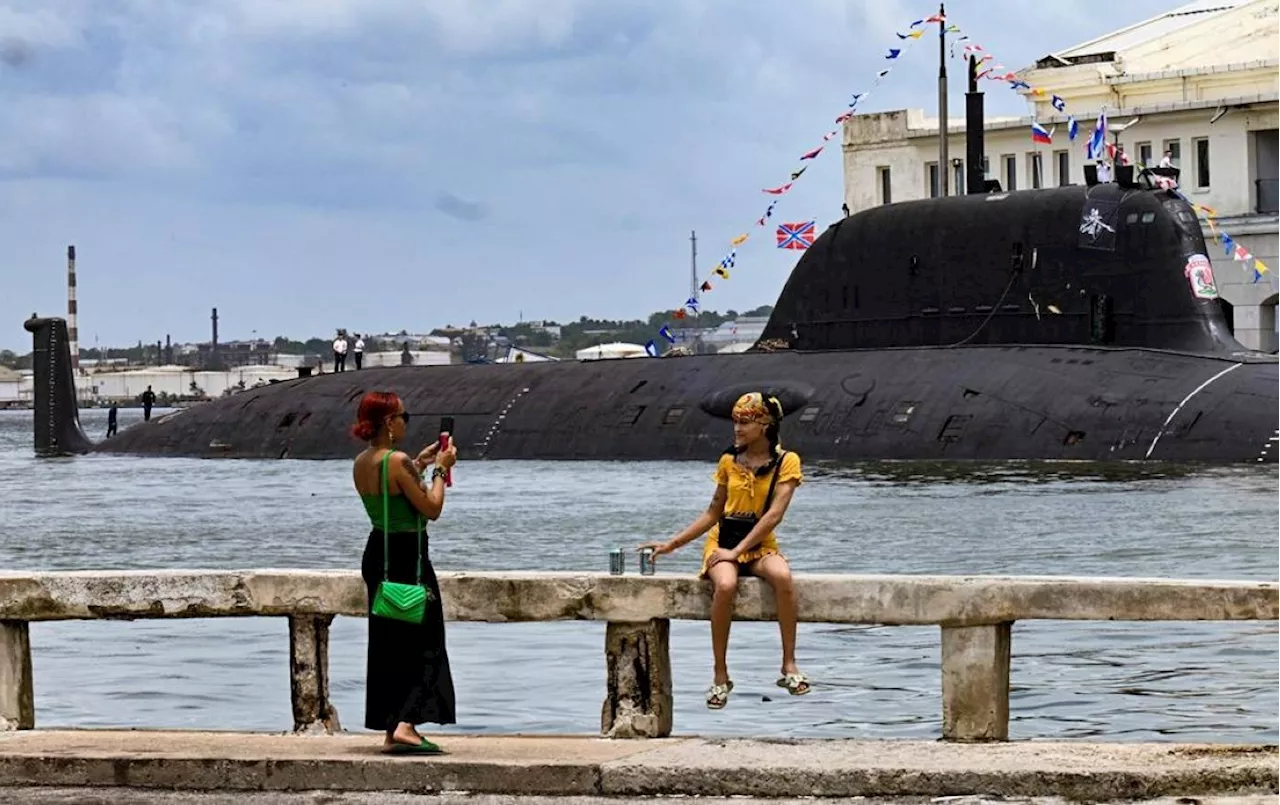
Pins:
<point x="617" y="561"/>
<point x="646" y="562"/>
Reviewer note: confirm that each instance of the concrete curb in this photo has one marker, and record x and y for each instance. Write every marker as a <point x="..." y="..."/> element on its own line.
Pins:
<point x="569" y="766"/>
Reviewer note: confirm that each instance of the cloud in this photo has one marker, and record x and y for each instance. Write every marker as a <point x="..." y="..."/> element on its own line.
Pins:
<point x="455" y="207"/>
<point x="14" y="52"/>
<point x="275" y="144"/>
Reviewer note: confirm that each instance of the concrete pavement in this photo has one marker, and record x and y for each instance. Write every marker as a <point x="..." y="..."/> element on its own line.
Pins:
<point x="568" y="766"/>
<point x="116" y="796"/>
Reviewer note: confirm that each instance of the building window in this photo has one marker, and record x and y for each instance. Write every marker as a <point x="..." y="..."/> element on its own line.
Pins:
<point x="1034" y="170"/>
<point x="1201" y="146"/>
<point x="1063" y="159"/>
<point x="961" y="186"/>
<point x="1173" y="148"/>
<point x="886" y="183"/>
<point x="1010" y="172"/>
<point x="931" y="179"/>
<point x="986" y="168"/>
<point x="1144" y="155"/>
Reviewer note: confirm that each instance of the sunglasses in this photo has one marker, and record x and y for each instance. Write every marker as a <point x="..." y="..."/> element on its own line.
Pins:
<point x="403" y="415"/>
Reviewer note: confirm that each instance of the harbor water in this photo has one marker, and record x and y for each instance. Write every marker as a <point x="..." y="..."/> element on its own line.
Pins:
<point x="1070" y="680"/>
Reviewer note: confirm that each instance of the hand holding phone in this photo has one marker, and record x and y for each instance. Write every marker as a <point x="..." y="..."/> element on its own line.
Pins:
<point x="446" y="433"/>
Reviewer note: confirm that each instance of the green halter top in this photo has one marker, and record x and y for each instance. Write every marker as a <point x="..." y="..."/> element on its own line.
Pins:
<point x="400" y="514"/>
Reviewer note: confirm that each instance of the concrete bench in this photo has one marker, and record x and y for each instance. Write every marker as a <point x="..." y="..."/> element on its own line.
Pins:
<point x="975" y="614"/>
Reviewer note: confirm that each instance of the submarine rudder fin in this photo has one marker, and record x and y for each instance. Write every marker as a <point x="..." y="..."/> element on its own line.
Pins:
<point x="57" y="426"/>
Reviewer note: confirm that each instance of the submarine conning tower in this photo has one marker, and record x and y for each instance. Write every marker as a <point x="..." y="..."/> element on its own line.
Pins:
<point x="1101" y="265"/>
<point x="57" y="418"/>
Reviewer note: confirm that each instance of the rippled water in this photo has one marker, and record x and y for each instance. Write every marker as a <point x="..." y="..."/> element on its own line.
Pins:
<point x="1124" y="681"/>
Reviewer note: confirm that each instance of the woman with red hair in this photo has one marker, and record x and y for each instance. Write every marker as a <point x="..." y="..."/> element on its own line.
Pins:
<point x="408" y="680"/>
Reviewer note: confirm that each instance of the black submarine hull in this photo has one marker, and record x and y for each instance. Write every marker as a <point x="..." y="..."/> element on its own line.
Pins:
<point x="1068" y="323"/>
<point x="980" y="403"/>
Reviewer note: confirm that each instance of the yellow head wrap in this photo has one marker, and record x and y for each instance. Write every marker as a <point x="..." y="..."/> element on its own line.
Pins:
<point x="755" y="407"/>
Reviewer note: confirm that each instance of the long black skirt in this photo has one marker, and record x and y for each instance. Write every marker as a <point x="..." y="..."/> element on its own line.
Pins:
<point x="408" y="673"/>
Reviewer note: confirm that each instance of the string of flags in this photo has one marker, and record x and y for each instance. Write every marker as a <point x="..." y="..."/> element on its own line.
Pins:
<point x="793" y="235"/>
<point x="991" y="70"/>
<point x="1233" y="249"/>
<point x="1097" y="144"/>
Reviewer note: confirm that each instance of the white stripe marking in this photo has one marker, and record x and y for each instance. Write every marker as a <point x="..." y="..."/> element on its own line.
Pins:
<point x="1186" y="400"/>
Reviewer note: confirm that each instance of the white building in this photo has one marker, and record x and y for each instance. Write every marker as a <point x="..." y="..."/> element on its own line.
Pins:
<point x="1201" y="80"/>
<point x="735" y="335"/>
<point x="10" y="385"/>
<point x="176" y="381"/>
<point x="519" y="355"/>
<point x="616" y="349"/>
<point x="417" y="357"/>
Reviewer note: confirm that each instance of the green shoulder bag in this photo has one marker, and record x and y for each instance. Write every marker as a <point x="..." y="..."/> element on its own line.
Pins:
<point x="401" y="602"/>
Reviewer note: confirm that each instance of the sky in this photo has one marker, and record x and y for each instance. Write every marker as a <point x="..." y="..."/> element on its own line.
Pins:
<point x="379" y="165"/>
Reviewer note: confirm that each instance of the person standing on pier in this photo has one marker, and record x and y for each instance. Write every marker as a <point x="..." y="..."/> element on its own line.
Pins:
<point x="148" y="400"/>
<point x="755" y="480"/>
<point x="408" y="677"/>
<point x="358" y="351"/>
<point x="112" y="414"/>
<point x="340" y="353"/>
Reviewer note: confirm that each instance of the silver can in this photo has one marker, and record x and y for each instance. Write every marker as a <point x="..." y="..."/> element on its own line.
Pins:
<point x="617" y="561"/>
<point x="646" y="562"/>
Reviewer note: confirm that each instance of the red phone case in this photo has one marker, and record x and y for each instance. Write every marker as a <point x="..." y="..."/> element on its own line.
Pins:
<point x="444" y="445"/>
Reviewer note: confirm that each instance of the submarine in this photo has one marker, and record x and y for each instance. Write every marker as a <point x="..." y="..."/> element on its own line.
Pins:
<point x="1071" y="323"/>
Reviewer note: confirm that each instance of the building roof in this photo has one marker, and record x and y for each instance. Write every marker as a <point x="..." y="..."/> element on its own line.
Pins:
<point x="1106" y="47"/>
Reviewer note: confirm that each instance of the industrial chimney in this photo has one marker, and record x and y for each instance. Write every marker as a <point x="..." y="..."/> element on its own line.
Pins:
<point x="73" y="333"/>
<point x="214" y="363"/>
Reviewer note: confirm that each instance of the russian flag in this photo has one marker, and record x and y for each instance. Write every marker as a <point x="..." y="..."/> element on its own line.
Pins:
<point x="1099" y="139"/>
<point x="1039" y="135"/>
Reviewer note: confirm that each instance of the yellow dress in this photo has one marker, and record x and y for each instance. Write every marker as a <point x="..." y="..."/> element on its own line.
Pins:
<point x="746" y="494"/>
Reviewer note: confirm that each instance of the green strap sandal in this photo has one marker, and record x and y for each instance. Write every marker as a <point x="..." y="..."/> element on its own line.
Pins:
<point x="424" y="748"/>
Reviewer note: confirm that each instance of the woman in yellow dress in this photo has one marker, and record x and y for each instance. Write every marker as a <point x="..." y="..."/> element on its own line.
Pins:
<point x="755" y="480"/>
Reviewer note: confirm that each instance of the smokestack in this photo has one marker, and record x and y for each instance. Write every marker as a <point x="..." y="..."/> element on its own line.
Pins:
<point x="73" y="332"/>
<point x="213" y="348"/>
<point x="973" y="132"/>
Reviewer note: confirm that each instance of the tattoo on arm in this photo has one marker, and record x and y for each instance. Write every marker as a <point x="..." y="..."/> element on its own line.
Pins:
<point x="718" y="500"/>
<point x="412" y="469"/>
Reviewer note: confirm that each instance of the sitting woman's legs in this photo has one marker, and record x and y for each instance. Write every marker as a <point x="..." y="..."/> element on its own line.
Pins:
<point x="724" y="580"/>
<point x="775" y="571"/>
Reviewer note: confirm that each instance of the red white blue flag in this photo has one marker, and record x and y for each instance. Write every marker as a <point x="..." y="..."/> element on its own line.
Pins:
<point x="796" y="236"/>
<point x="1039" y="135"/>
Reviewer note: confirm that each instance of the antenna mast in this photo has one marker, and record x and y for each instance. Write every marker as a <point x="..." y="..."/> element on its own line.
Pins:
<point x="944" y="164"/>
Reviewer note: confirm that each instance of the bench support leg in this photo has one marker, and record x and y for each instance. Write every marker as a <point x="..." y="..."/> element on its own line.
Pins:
<point x="313" y="713"/>
<point x="638" y="701"/>
<point x="975" y="682"/>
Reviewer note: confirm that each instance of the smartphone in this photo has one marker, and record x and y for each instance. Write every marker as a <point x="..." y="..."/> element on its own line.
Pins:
<point x="446" y="433"/>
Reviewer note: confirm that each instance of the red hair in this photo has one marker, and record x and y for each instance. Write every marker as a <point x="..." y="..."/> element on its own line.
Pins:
<point x="374" y="408"/>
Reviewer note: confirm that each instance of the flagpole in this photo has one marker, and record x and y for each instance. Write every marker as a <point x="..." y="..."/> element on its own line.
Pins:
<point x="693" y="273"/>
<point x="944" y="164"/>
<point x="693" y="263"/>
